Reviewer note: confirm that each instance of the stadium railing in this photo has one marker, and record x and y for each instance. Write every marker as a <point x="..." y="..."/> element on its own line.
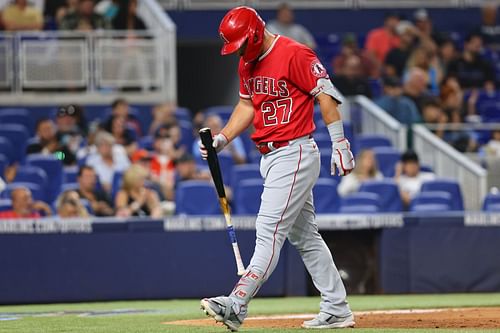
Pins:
<point x="376" y="121"/>
<point x="91" y="66"/>
<point x="448" y="162"/>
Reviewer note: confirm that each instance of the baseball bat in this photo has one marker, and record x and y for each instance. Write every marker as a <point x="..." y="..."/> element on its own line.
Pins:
<point x="213" y="164"/>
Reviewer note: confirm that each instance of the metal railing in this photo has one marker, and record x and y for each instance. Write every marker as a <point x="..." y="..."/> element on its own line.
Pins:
<point x="448" y="162"/>
<point x="375" y="120"/>
<point x="47" y="67"/>
<point x="314" y="4"/>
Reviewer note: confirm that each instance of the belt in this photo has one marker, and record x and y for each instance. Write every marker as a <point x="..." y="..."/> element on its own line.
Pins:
<point x="267" y="147"/>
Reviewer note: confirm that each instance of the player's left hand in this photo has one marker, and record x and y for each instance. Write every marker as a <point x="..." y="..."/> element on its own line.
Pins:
<point x="342" y="158"/>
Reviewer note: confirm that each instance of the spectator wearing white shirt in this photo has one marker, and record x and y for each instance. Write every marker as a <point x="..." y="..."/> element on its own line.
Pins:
<point x="284" y="25"/>
<point x="409" y="177"/>
<point x="492" y="148"/>
<point x="108" y="159"/>
<point x="366" y="169"/>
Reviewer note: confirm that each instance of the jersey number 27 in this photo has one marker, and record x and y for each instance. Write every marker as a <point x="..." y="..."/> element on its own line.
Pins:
<point x="276" y="112"/>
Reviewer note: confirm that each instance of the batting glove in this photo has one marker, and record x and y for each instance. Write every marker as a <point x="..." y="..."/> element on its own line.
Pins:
<point x="219" y="142"/>
<point x="342" y="158"/>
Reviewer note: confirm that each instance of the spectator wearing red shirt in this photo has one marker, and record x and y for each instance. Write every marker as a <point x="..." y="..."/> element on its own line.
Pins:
<point x="381" y="40"/>
<point x="23" y="206"/>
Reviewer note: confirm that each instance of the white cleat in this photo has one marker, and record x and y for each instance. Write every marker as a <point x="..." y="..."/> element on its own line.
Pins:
<point x="324" y="320"/>
<point x="221" y="309"/>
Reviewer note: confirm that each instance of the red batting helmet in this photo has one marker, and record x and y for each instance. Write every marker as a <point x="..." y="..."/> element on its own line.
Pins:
<point x="242" y="24"/>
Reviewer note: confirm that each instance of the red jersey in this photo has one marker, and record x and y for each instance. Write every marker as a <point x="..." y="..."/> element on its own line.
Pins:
<point x="10" y="214"/>
<point x="281" y="84"/>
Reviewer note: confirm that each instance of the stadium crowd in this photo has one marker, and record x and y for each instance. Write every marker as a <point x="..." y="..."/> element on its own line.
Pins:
<point x="416" y="74"/>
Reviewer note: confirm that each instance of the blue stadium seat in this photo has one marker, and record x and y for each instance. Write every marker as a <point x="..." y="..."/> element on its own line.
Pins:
<point x="19" y="135"/>
<point x="323" y="141"/>
<point x="326" y="197"/>
<point x="429" y="207"/>
<point x="223" y="111"/>
<point x="426" y="168"/>
<point x="146" y="142"/>
<point x="376" y="87"/>
<point x="195" y="197"/>
<point x="432" y="197"/>
<point x="36" y="191"/>
<point x="489" y="111"/>
<point x="369" y="202"/>
<point x="493" y="208"/>
<point x="70" y="174"/>
<point x="187" y="138"/>
<point x="70" y="187"/>
<point x="32" y="174"/>
<point x="369" y="141"/>
<point x="5" y="204"/>
<point x="446" y="185"/>
<point x="247" y="196"/>
<point x="54" y="170"/>
<point x="21" y="111"/>
<point x="245" y="171"/>
<point x="4" y="162"/>
<point x="388" y="191"/>
<point x="182" y="114"/>
<point x="6" y="149"/>
<point x="226" y="163"/>
<point x="359" y="209"/>
<point x="491" y="199"/>
<point x="19" y="119"/>
<point x="387" y="158"/>
<point x="116" y="184"/>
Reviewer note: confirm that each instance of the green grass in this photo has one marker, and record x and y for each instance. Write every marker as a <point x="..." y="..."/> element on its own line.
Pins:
<point x="189" y="309"/>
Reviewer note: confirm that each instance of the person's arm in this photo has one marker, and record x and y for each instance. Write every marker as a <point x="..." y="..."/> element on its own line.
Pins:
<point x="240" y="119"/>
<point x="153" y="203"/>
<point x="121" y="204"/>
<point x="42" y="206"/>
<point x="342" y="157"/>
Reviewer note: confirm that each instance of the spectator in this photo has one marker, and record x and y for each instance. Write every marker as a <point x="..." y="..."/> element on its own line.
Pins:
<point x="98" y="199"/>
<point x="134" y="199"/>
<point x="284" y="25"/>
<point x="471" y="70"/>
<point x="415" y="86"/>
<point x="163" y="114"/>
<point x="48" y="143"/>
<point x="409" y="177"/>
<point x="173" y="131"/>
<point x="70" y="7"/>
<point x="447" y="53"/>
<point x="84" y="18"/>
<point x="426" y="59"/>
<point x="396" y="59"/>
<point x="381" y="40"/>
<point x="117" y="126"/>
<point x="68" y="205"/>
<point x="126" y="17"/>
<point x="433" y="114"/>
<point x="162" y="164"/>
<point x="425" y="27"/>
<point x="492" y="148"/>
<point x="398" y="106"/>
<point x="489" y="29"/>
<point x="71" y="126"/>
<point x="350" y="48"/>
<point x="366" y="169"/>
<point x="235" y="148"/>
<point x="186" y="169"/>
<point x="110" y="158"/>
<point x="352" y="82"/>
<point x="121" y="108"/>
<point x="21" y="16"/>
<point x="23" y="206"/>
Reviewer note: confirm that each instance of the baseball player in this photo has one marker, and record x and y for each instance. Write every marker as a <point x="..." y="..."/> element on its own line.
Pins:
<point x="279" y="81"/>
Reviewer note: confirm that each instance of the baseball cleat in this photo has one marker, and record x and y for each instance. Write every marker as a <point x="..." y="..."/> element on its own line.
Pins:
<point x="324" y="320"/>
<point x="222" y="309"/>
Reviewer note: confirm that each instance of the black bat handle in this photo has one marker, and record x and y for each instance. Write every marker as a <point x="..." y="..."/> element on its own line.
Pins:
<point x="213" y="161"/>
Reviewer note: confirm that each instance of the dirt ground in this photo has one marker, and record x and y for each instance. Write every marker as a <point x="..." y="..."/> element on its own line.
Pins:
<point x="430" y="318"/>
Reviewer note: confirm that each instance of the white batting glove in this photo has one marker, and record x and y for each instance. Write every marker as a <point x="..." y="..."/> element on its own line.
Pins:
<point x="219" y="142"/>
<point x="342" y="158"/>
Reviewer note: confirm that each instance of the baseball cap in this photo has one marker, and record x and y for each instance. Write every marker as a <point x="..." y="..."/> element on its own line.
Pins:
<point x="71" y="110"/>
<point x="409" y="156"/>
<point x="141" y="155"/>
<point x="421" y="14"/>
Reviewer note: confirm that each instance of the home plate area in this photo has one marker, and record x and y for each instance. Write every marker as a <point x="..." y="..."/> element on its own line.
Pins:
<point x="488" y="317"/>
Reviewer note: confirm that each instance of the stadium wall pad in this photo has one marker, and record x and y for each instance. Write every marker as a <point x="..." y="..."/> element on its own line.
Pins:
<point x="54" y="261"/>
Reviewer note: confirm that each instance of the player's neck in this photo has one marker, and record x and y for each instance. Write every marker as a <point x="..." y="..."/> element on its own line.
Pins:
<point x="268" y="41"/>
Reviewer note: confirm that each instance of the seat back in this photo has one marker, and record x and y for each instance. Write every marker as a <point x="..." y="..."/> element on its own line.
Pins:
<point x="369" y="141"/>
<point x="5" y="204"/>
<point x="387" y="158"/>
<point x="6" y="149"/>
<point x="70" y="174"/>
<point x="429" y="207"/>
<point x="194" y="197"/>
<point x="388" y="191"/>
<point x="54" y="170"/>
<point x="446" y="185"/>
<point x="19" y="119"/>
<point x="244" y="171"/>
<point x="36" y="191"/>
<point x="491" y="199"/>
<point x="17" y="134"/>
<point x="32" y="174"/>
<point x="432" y="197"/>
<point x="326" y="197"/>
<point x="247" y="196"/>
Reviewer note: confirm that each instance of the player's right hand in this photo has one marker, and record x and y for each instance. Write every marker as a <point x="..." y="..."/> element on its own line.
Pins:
<point x="219" y="142"/>
<point x="342" y="157"/>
